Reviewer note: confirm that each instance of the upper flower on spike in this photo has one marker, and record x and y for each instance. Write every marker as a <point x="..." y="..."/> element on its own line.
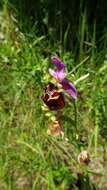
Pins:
<point x="60" y="76"/>
<point x="52" y="98"/>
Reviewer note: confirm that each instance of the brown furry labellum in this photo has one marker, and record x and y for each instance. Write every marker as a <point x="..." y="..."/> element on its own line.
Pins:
<point x="53" y="98"/>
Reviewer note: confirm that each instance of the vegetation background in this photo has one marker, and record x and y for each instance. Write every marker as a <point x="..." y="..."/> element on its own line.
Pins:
<point x="30" y="33"/>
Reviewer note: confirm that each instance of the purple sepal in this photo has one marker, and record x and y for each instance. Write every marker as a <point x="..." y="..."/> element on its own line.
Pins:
<point x="69" y="88"/>
<point x="58" y="63"/>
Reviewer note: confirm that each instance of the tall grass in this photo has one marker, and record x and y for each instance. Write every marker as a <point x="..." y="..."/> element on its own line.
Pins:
<point x="30" y="159"/>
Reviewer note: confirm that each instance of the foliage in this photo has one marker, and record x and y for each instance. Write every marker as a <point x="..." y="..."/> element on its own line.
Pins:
<point x="29" y="158"/>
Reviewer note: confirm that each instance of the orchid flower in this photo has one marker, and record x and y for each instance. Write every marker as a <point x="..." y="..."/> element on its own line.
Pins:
<point x="52" y="98"/>
<point x="60" y="76"/>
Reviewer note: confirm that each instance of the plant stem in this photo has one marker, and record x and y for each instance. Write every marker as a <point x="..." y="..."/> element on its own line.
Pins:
<point x="75" y="119"/>
<point x="75" y="115"/>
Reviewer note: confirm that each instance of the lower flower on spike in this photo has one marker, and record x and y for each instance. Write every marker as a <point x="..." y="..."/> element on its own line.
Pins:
<point x="52" y="98"/>
<point x="55" y="129"/>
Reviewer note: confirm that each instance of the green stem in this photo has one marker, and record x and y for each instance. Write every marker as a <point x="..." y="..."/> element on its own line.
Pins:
<point x="75" y="114"/>
<point x="76" y="135"/>
<point x="96" y="133"/>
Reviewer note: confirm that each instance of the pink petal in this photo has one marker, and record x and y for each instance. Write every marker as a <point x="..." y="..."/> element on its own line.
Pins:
<point x="58" y="63"/>
<point x="69" y="87"/>
<point x="52" y="73"/>
<point x="58" y="75"/>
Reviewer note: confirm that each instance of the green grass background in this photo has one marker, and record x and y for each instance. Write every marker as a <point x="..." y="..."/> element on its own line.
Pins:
<point x="29" y="158"/>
